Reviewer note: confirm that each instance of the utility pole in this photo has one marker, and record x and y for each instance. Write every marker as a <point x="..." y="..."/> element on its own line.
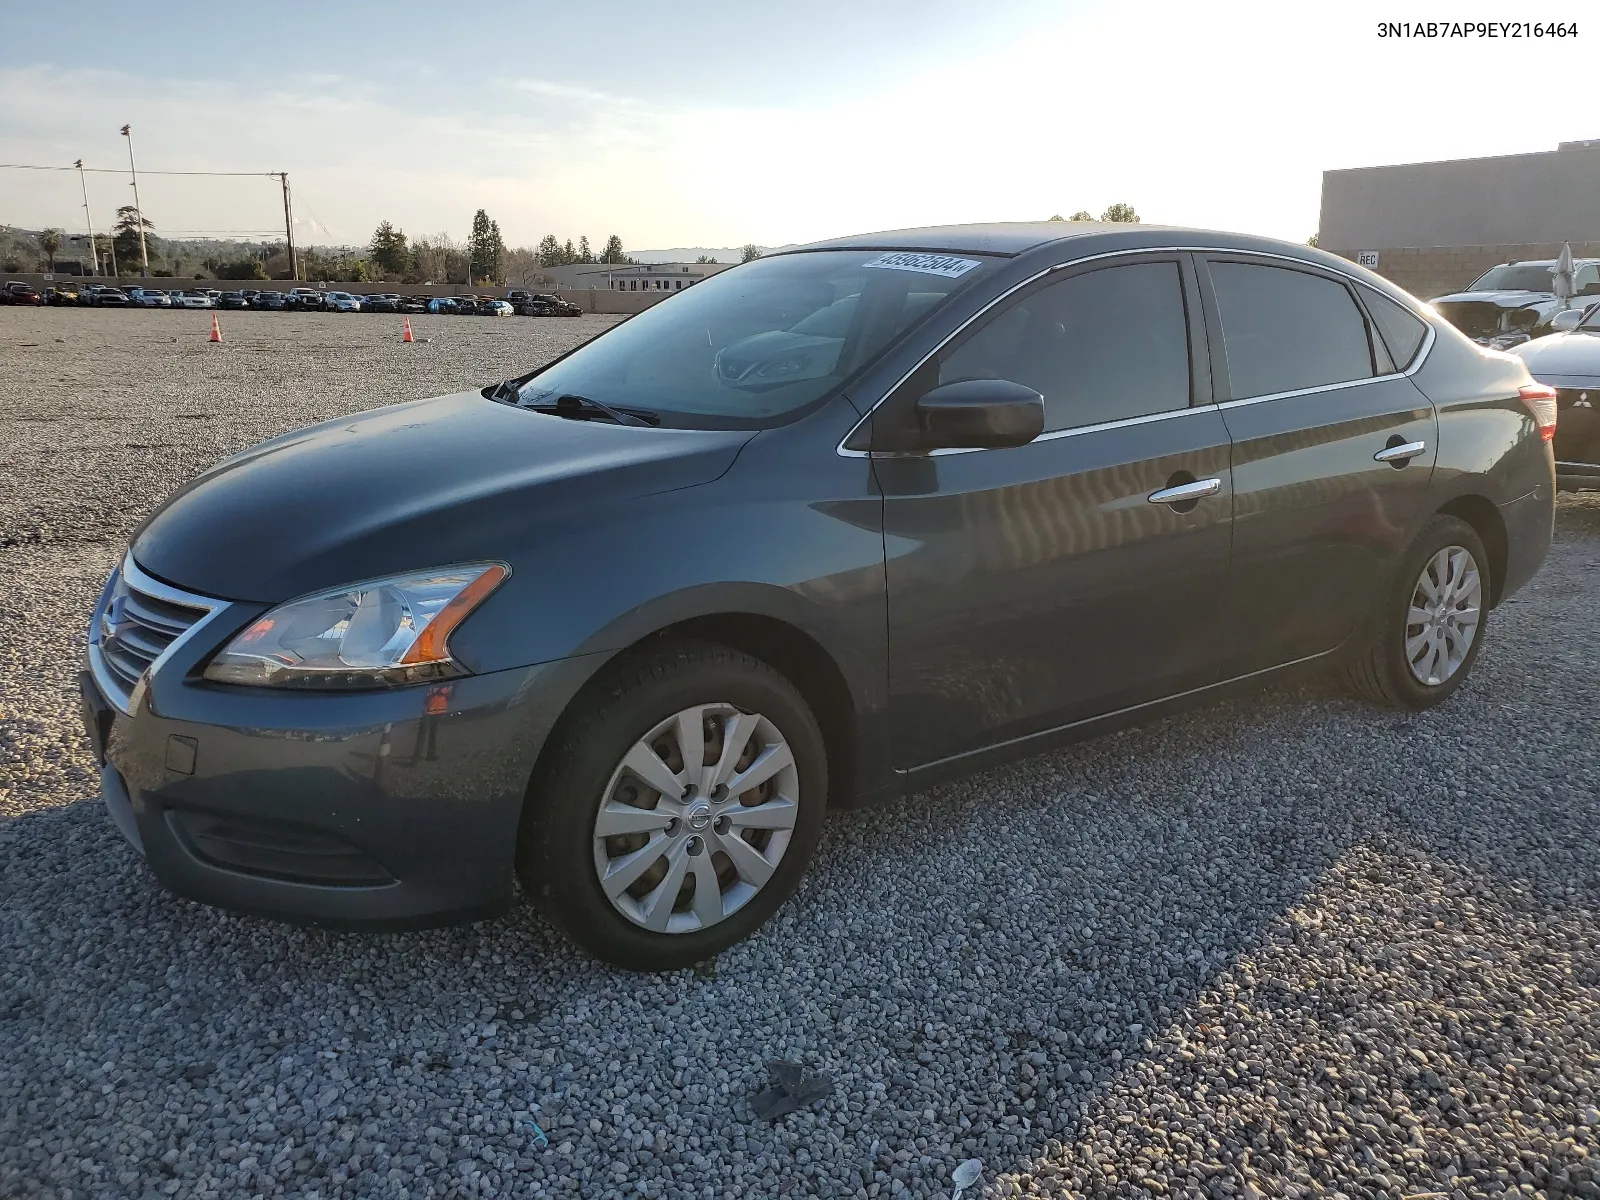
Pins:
<point x="288" y="227"/>
<point x="88" y="218"/>
<point x="138" y="211"/>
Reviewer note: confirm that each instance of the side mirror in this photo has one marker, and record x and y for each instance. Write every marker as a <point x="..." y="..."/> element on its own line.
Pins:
<point x="1566" y="320"/>
<point x="980" y="414"/>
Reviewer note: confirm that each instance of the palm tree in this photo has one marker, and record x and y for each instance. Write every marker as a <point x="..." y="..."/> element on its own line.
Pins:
<point x="50" y="242"/>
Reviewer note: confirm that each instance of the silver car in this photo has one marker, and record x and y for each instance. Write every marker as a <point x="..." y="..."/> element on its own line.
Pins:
<point x="1569" y="361"/>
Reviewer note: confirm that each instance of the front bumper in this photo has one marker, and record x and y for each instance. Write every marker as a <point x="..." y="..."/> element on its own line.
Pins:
<point x="388" y="809"/>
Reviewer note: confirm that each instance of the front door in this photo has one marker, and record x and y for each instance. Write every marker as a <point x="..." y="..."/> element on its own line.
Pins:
<point x="1333" y="451"/>
<point x="1035" y="586"/>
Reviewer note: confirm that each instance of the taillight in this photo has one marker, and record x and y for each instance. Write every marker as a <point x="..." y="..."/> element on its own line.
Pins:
<point x="1541" y="402"/>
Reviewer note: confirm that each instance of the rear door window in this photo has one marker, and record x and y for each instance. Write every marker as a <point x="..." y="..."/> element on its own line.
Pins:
<point x="1286" y="330"/>
<point x="1102" y="346"/>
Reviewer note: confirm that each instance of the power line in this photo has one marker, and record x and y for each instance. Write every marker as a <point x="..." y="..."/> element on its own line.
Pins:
<point x="118" y="171"/>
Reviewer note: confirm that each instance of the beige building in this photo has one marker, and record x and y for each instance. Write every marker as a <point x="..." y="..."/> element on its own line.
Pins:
<point x="631" y="277"/>
<point x="1435" y="227"/>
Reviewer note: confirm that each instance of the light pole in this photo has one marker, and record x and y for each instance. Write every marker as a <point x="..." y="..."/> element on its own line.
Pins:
<point x="138" y="212"/>
<point x="88" y="218"/>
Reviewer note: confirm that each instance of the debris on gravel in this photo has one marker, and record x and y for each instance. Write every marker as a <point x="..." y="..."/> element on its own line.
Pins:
<point x="1285" y="945"/>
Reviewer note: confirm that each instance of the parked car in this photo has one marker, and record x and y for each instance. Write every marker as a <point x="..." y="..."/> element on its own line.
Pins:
<point x="62" y="294"/>
<point x="269" y="300"/>
<point x="415" y="304"/>
<point x="972" y="492"/>
<point x="233" y="300"/>
<point x="148" y="298"/>
<point x="1513" y="302"/>
<point x="192" y="299"/>
<point x="541" y="305"/>
<point x="105" y="296"/>
<point x="443" y="304"/>
<point x="342" y="302"/>
<point x="496" y="308"/>
<point x="308" y="299"/>
<point x="17" y="292"/>
<point x="1569" y="362"/>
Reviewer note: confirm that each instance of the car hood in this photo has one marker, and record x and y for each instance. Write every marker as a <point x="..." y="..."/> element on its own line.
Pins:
<point x="1515" y="299"/>
<point x="1561" y="354"/>
<point x="423" y="484"/>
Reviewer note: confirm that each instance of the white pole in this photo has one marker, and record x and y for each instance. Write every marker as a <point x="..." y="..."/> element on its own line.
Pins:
<point x="138" y="212"/>
<point x="88" y="219"/>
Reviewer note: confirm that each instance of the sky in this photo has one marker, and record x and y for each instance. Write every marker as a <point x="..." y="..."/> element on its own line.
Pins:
<point x="715" y="123"/>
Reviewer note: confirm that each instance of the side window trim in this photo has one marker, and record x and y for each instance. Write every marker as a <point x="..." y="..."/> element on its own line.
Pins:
<point x="895" y="405"/>
<point x="1377" y="353"/>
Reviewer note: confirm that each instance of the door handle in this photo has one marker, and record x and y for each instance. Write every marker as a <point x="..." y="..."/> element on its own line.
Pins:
<point x="1401" y="454"/>
<point x="1186" y="493"/>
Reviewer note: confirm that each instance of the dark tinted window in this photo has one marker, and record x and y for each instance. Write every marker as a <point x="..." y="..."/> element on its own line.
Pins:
<point x="1102" y="346"/>
<point x="1286" y="329"/>
<point x="1402" y="331"/>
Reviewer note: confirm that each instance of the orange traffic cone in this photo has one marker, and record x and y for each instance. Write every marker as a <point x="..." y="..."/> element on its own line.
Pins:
<point x="408" y="337"/>
<point x="216" y="330"/>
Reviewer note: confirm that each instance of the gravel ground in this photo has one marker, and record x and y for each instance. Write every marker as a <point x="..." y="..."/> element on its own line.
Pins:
<point x="1286" y="945"/>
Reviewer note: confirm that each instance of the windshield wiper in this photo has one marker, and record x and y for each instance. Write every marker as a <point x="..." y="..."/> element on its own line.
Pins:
<point x="572" y="407"/>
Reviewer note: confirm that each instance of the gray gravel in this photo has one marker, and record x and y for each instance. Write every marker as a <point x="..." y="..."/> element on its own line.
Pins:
<point x="1286" y="945"/>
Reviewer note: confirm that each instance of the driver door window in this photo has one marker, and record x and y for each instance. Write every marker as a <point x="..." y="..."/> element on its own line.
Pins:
<point x="1103" y="346"/>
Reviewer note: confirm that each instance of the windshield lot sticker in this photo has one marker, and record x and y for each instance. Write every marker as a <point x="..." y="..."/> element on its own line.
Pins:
<point x="928" y="264"/>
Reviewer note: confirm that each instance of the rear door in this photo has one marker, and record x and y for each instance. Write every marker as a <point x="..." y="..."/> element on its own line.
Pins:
<point x="1034" y="586"/>
<point x="1333" y="452"/>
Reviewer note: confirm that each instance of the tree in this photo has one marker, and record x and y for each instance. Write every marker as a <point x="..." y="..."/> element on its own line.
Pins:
<point x="438" y="257"/>
<point x="525" y="269"/>
<point x="549" y="251"/>
<point x="613" y="251"/>
<point x="750" y="253"/>
<point x="585" y="255"/>
<point x="50" y="242"/>
<point x="390" y="253"/>
<point x="705" y="258"/>
<point x="1058" y="217"/>
<point x="1312" y="241"/>
<point x="125" y="235"/>
<point x="1121" y="213"/>
<point x="1083" y="214"/>
<point x="242" y="268"/>
<point x="485" y="248"/>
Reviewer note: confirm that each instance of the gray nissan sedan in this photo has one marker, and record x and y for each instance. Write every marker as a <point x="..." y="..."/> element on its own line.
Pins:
<point x="828" y="527"/>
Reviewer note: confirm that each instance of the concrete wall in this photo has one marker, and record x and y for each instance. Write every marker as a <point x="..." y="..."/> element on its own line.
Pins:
<point x="1429" y="271"/>
<point x="589" y="301"/>
<point x="1514" y="200"/>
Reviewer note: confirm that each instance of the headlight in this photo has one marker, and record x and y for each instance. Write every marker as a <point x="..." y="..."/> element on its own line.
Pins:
<point x="381" y="633"/>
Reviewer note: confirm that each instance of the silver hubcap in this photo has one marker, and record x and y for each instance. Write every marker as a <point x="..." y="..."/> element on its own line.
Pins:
<point x="1443" y="618"/>
<point x="695" y="818"/>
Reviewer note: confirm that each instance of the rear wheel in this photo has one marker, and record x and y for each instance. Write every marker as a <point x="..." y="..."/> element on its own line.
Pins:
<point x="1428" y="624"/>
<point x="679" y="809"/>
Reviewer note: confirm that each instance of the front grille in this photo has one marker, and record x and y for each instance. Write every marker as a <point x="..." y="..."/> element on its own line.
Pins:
<point x="1474" y="318"/>
<point x="141" y="618"/>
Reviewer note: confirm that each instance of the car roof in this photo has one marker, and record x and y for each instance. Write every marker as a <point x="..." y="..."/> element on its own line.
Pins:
<point x="1012" y="238"/>
<point x="1546" y="262"/>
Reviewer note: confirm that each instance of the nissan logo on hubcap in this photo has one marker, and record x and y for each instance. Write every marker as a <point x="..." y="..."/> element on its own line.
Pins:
<point x="699" y="817"/>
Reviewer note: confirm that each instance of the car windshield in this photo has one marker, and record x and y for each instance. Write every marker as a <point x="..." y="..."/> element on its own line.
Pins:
<point x="1591" y="319"/>
<point x="750" y="346"/>
<point x="1515" y="277"/>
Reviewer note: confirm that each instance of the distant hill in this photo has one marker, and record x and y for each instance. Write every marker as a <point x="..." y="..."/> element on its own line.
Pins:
<point x="688" y="254"/>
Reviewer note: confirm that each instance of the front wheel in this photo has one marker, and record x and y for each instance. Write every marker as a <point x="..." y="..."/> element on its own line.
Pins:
<point x="680" y="806"/>
<point x="1426" y="630"/>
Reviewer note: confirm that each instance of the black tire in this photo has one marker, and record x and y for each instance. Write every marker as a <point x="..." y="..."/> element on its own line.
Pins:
<point x="1375" y="665"/>
<point x="556" y="852"/>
